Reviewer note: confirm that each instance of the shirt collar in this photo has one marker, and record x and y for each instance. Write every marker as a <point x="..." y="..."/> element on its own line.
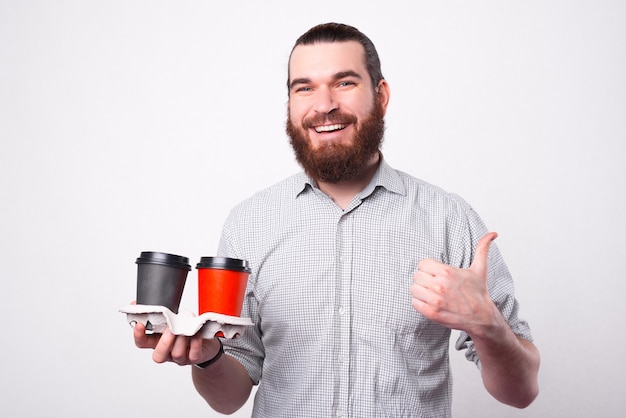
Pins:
<point x="385" y="177"/>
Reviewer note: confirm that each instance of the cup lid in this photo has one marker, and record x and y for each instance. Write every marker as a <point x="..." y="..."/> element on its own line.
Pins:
<point x="224" y="263"/>
<point x="153" y="257"/>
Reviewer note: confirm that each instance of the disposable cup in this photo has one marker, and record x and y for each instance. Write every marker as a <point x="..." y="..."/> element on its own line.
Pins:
<point x="222" y="285"/>
<point x="161" y="279"/>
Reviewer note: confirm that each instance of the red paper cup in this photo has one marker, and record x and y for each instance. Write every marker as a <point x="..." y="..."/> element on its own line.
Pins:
<point x="222" y="285"/>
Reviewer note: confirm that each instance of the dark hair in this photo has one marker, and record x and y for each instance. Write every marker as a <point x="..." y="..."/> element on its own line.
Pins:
<point x="339" y="32"/>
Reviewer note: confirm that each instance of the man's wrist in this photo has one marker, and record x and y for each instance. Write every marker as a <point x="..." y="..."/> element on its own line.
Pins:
<point x="215" y="358"/>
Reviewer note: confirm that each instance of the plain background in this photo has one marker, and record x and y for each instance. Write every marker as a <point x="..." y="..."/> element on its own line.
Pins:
<point x="128" y="126"/>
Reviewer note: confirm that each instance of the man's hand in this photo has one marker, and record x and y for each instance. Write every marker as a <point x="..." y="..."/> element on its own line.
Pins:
<point x="459" y="299"/>
<point x="177" y="349"/>
<point x="453" y="297"/>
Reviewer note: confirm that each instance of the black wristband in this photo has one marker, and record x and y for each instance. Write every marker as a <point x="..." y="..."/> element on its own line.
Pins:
<point x="207" y="363"/>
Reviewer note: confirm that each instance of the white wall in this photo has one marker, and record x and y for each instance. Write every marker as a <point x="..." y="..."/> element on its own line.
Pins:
<point x="136" y="125"/>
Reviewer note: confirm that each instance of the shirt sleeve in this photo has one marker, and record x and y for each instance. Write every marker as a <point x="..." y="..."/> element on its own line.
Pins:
<point x="246" y="348"/>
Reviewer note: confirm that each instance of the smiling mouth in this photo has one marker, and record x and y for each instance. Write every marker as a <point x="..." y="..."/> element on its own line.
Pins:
<point x="330" y="128"/>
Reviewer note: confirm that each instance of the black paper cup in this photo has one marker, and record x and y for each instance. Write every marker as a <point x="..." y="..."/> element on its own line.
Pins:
<point x="161" y="279"/>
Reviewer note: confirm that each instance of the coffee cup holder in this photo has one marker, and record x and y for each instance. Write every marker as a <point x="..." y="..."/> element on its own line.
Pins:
<point x="211" y="324"/>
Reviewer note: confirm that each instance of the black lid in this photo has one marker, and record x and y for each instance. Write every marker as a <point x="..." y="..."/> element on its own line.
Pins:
<point x="152" y="257"/>
<point x="223" y="263"/>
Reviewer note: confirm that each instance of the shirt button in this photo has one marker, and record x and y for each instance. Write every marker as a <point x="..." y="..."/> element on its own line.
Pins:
<point x="341" y="359"/>
<point x="342" y="310"/>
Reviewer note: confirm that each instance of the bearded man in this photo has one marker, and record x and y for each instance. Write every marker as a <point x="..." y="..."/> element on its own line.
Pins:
<point x="359" y="271"/>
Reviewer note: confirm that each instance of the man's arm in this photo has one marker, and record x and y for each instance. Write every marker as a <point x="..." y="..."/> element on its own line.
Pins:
<point x="225" y="384"/>
<point x="459" y="299"/>
<point x="509" y="366"/>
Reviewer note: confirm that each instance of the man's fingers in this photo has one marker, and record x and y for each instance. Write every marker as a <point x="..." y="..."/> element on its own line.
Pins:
<point x="479" y="263"/>
<point x="429" y="266"/>
<point x="143" y="340"/>
<point x="163" y="349"/>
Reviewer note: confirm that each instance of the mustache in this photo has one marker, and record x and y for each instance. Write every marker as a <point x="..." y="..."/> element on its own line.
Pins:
<point x="329" y="119"/>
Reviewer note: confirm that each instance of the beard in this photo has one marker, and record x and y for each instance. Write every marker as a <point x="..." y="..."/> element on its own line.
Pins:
<point x="336" y="162"/>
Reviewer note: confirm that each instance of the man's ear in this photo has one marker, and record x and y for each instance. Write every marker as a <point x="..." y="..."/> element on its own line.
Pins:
<point x="383" y="94"/>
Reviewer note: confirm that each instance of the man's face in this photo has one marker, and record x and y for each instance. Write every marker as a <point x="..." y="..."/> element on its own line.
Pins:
<point x="335" y="118"/>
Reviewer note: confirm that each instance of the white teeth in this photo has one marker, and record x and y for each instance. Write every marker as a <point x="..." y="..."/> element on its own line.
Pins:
<point x="329" y="128"/>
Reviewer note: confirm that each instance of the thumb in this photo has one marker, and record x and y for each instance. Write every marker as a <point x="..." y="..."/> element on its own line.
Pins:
<point x="479" y="264"/>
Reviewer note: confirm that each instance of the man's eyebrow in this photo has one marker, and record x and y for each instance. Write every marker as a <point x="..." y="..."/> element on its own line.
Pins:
<point x="338" y="76"/>
<point x="297" y="81"/>
<point x="345" y="74"/>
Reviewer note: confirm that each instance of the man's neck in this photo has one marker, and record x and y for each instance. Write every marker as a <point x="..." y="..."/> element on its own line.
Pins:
<point x="343" y="192"/>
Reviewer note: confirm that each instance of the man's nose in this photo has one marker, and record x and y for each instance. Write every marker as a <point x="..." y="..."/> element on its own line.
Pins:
<point x="325" y="101"/>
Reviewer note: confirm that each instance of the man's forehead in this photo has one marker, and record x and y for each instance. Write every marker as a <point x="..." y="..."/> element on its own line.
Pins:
<point x="322" y="55"/>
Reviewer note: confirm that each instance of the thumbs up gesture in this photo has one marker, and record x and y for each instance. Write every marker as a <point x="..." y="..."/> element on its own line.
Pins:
<point x="453" y="297"/>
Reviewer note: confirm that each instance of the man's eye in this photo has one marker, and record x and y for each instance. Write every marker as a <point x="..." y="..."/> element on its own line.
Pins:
<point x="346" y="84"/>
<point x="303" y="89"/>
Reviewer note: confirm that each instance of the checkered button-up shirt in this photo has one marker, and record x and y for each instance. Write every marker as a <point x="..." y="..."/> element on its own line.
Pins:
<point x="335" y="333"/>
